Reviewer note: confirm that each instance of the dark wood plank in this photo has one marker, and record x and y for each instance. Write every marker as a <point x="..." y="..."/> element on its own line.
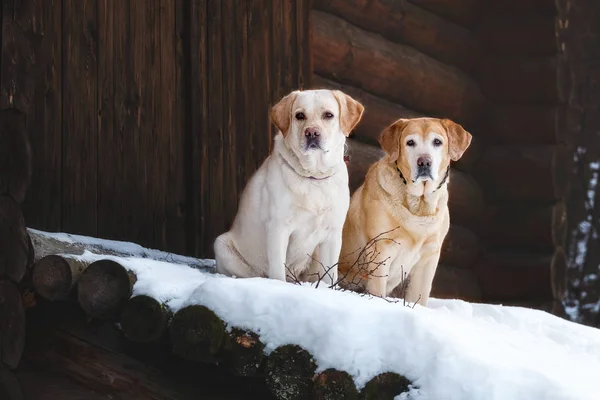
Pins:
<point x="80" y="117"/>
<point x="230" y="90"/>
<point x="241" y="107"/>
<point x="215" y="211"/>
<point x="304" y="54"/>
<point x="31" y="72"/>
<point x="171" y="135"/>
<point x="199" y="121"/>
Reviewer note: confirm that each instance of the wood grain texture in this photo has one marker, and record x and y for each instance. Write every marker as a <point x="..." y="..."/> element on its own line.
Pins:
<point x="464" y="12"/>
<point x="31" y="73"/>
<point x="403" y="22"/>
<point x="80" y="116"/>
<point x="15" y="155"/>
<point x="397" y="72"/>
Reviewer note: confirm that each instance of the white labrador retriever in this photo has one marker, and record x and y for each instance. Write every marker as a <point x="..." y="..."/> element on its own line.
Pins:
<point x="292" y="211"/>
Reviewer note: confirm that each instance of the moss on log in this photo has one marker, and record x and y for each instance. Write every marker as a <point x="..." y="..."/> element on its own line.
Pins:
<point x="197" y="334"/>
<point x="144" y="319"/>
<point x="385" y="386"/>
<point x="243" y="353"/>
<point x="289" y="373"/>
<point x="104" y="288"/>
<point x="332" y="384"/>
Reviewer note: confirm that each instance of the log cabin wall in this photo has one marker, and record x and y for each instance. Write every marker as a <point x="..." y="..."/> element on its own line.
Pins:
<point x="522" y="171"/>
<point x="147" y="117"/>
<point x="490" y="66"/>
<point x="407" y="59"/>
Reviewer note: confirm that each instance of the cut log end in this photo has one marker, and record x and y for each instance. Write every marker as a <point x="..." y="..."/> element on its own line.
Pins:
<point x="55" y="276"/>
<point x="289" y="373"/>
<point x="243" y="353"/>
<point x="12" y="324"/>
<point x="197" y="334"/>
<point x="104" y="288"/>
<point x="385" y="386"/>
<point x="334" y="385"/>
<point x="144" y="319"/>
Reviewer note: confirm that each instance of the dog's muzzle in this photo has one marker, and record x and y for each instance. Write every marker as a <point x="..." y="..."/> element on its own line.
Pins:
<point x="312" y="139"/>
<point x="424" y="167"/>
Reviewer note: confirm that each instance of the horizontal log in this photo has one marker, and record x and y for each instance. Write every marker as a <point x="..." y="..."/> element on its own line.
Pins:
<point x="522" y="124"/>
<point x="144" y="319"/>
<point x="464" y="12"/>
<point x="519" y="228"/>
<point x="403" y="22"/>
<point x="332" y="384"/>
<point x="396" y="72"/>
<point x="55" y="276"/>
<point x="15" y="155"/>
<point x="379" y="113"/>
<point x="461" y="247"/>
<point x="558" y="271"/>
<point x="15" y="250"/>
<point x="385" y="386"/>
<point x="45" y="244"/>
<point x="197" y="334"/>
<point x="99" y="368"/>
<point x="466" y="199"/>
<point x="10" y="387"/>
<point x="104" y="288"/>
<point x="455" y="283"/>
<point x="523" y="174"/>
<point x="362" y="156"/>
<point x="519" y="80"/>
<point x="531" y="35"/>
<point x="12" y="324"/>
<point x="514" y="277"/>
<point x="289" y="373"/>
<point x="52" y="385"/>
<point x="468" y="162"/>
<point x="243" y="353"/>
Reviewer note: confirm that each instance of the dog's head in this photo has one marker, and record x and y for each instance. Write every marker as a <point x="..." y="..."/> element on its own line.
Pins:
<point x="316" y="120"/>
<point x="422" y="148"/>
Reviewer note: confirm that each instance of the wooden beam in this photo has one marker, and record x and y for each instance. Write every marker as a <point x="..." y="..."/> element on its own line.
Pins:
<point x="403" y="22"/>
<point x="397" y="72"/>
<point x="464" y="12"/>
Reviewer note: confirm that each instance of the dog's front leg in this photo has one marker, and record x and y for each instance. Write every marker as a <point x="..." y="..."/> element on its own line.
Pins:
<point x="328" y="255"/>
<point x="277" y="242"/>
<point x="421" y="279"/>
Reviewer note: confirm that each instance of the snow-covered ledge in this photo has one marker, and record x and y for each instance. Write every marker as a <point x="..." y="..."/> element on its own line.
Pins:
<point x="449" y="350"/>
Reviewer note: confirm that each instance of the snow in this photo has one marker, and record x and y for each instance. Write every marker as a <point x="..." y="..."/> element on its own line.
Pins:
<point x="126" y="248"/>
<point x="449" y="350"/>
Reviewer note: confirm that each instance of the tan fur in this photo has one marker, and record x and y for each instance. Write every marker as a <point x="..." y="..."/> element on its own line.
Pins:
<point x="415" y="215"/>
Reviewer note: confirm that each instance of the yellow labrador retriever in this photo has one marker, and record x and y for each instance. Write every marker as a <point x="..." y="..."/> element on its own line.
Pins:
<point x="400" y="214"/>
<point x="291" y="213"/>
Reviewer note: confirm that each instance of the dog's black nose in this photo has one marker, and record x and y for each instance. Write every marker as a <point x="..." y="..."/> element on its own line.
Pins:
<point x="311" y="132"/>
<point x="424" y="161"/>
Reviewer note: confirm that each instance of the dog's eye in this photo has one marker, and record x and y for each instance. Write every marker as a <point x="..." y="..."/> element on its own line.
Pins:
<point x="300" y="116"/>
<point x="437" y="142"/>
<point x="327" y="115"/>
<point x="410" y="143"/>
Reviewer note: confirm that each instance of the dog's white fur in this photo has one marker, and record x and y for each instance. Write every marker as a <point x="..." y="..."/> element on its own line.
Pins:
<point x="291" y="213"/>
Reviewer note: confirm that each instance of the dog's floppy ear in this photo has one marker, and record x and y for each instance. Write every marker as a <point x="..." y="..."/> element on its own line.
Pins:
<point x="458" y="139"/>
<point x="350" y="111"/>
<point x="281" y="113"/>
<point x="390" y="138"/>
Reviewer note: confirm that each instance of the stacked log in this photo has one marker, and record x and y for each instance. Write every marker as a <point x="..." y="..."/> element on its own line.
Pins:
<point x="397" y="72"/>
<point x="104" y="291"/>
<point x="523" y="170"/>
<point x="15" y="245"/>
